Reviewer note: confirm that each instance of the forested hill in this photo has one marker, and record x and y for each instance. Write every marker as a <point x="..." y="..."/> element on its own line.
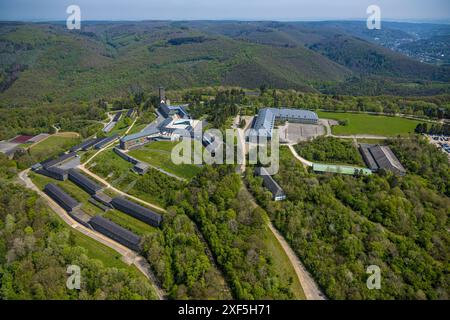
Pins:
<point x="46" y="63"/>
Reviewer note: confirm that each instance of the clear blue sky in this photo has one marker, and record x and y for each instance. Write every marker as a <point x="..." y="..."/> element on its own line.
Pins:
<point x="224" y="9"/>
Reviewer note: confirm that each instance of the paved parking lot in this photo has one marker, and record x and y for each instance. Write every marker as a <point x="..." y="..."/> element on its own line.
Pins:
<point x="297" y="132"/>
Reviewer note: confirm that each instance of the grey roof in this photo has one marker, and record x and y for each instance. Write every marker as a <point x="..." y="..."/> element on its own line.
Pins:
<point x="265" y="120"/>
<point x="385" y="158"/>
<point x="269" y="182"/>
<point x="116" y="232"/>
<point x="105" y="141"/>
<point x="109" y="126"/>
<point x="85" y="144"/>
<point x="54" y="173"/>
<point x="381" y="157"/>
<point x="84" y="182"/>
<point x="165" y="109"/>
<point x="53" y="162"/>
<point x="367" y="156"/>
<point x="142" y="165"/>
<point x="130" y="112"/>
<point x="146" y="133"/>
<point x="164" y="123"/>
<point x="137" y="211"/>
<point x="294" y="114"/>
<point x="63" y="199"/>
<point x="117" y="117"/>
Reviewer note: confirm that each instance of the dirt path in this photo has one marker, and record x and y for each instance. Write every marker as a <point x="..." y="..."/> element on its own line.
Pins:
<point x="129" y="256"/>
<point x="310" y="288"/>
<point x="326" y="124"/>
<point x="302" y="160"/>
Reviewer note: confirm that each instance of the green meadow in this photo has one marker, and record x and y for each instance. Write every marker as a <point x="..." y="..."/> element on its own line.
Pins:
<point x="360" y="123"/>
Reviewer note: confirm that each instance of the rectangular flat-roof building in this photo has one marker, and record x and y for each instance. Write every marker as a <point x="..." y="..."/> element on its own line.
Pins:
<point x="84" y="182"/>
<point x="60" y="197"/>
<point x="137" y="211"/>
<point x="265" y="121"/>
<point x="116" y="232"/>
<point x="270" y="183"/>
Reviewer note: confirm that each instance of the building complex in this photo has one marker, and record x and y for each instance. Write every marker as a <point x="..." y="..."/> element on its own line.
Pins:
<point x="265" y="121"/>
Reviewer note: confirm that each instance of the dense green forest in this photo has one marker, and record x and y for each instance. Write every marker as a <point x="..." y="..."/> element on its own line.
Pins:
<point x="339" y="225"/>
<point x="36" y="247"/>
<point x="234" y="231"/>
<point x="330" y="150"/>
<point x="423" y="159"/>
<point x="45" y="63"/>
<point x="181" y="262"/>
<point x="438" y="129"/>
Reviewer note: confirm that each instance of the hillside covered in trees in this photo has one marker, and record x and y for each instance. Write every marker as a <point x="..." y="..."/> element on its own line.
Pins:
<point x="339" y="225"/>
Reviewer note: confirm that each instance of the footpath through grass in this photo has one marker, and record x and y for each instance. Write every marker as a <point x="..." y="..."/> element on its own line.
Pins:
<point x="158" y="154"/>
<point x="359" y="123"/>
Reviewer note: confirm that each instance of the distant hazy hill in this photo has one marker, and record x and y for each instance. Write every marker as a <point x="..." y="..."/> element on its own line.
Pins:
<point x="47" y="63"/>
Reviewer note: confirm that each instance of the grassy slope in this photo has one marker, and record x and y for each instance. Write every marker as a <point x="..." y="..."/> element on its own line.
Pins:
<point x="52" y="146"/>
<point x="370" y="124"/>
<point x="158" y="154"/>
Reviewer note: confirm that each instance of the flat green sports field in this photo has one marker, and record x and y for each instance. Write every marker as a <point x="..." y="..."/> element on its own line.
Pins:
<point x="360" y="123"/>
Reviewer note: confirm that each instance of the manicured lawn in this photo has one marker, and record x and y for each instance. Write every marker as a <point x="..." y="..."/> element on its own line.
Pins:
<point x="52" y="146"/>
<point x="370" y="124"/>
<point x="158" y="154"/>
